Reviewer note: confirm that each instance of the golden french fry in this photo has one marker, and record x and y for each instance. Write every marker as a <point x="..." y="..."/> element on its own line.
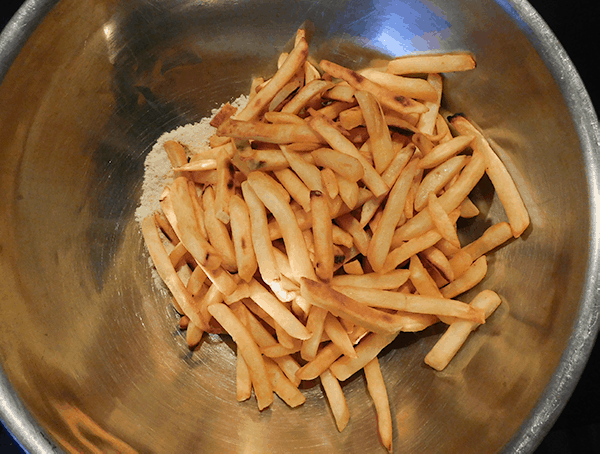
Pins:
<point x="441" y="63"/>
<point x="378" y="392"/>
<point x="294" y="62"/>
<point x="305" y="94"/>
<point x="426" y="123"/>
<point x="308" y="173"/>
<point x="448" y="345"/>
<point x="341" y="92"/>
<point x="504" y="185"/>
<point x="388" y="281"/>
<point x="282" y="386"/>
<point x="197" y="166"/>
<point x="338" y="335"/>
<point x="263" y="248"/>
<point x="351" y="225"/>
<point x="379" y="246"/>
<point x="295" y="187"/>
<point x="384" y="96"/>
<point x="352" y="268"/>
<point x="451" y="199"/>
<point x="279" y="350"/>
<point x="336" y="399"/>
<point x="324" y="359"/>
<point x="323" y="236"/>
<point x="283" y="95"/>
<point x="468" y="209"/>
<point x="330" y="182"/>
<point x="422" y="280"/>
<point x="264" y="188"/>
<point x="315" y="324"/>
<point x="472" y="276"/>
<point x="217" y="231"/>
<point x="349" y="191"/>
<point x="310" y="72"/>
<point x="352" y="118"/>
<point x="343" y="164"/>
<point x="197" y="280"/>
<point x="444" y="151"/>
<point x="243" y="383"/>
<point x="248" y="348"/>
<point x="367" y="349"/>
<point x="441" y="220"/>
<point x="439" y="261"/>
<point x="176" y="153"/>
<point x="282" y="117"/>
<point x="437" y="178"/>
<point x="406" y="250"/>
<point x="204" y="254"/>
<point x="333" y="110"/>
<point x="225" y="186"/>
<point x="226" y="111"/>
<point x="277" y="310"/>
<point x="493" y="237"/>
<point x="410" y="87"/>
<point x="341" y="305"/>
<point x="379" y="133"/>
<point x="241" y="233"/>
<point x="419" y="304"/>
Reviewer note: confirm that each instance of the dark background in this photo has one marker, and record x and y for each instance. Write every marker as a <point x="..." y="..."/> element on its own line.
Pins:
<point x="578" y="428"/>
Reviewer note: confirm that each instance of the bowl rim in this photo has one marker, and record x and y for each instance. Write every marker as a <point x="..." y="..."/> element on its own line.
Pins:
<point x="32" y="437"/>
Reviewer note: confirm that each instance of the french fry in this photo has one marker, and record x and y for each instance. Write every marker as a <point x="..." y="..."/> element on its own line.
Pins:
<point x="225" y="186"/>
<point x="366" y="350"/>
<point x="384" y="96"/>
<point x="468" y="209"/>
<point x="378" y="392"/>
<point x="426" y="123"/>
<point x="389" y="281"/>
<point x="305" y="94"/>
<point x="323" y="236"/>
<point x="282" y="386"/>
<point x="308" y="173"/>
<point x="349" y="191"/>
<point x="315" y="324"/>
<point x="281" y="133"/>
<point x="295" y="187"/>
<point x="410" y="87"/>
<point x="379" y="133"/>
<point x="440" y="261"/>
<point x="418" y="304"/>
<point x="472" y="276"/>
<point x="248" y="349"/>
<point x="176" y="153"/>
<point x="432" y="63"/>
<point x="441" y="221"/>
<point x="330" y="182"/>
<point x="382" y="236"/>
<point x="336" y="399"/>
<point x="338" y="335"/>
<point x="217" y="231"/>
<point x="283" y="117"/>
<point x="333" y="110"/>
<point x="493" y="237"/>
<point x="341" y="92"/>
<point x="223" y="115"/>
<point x="292" y="235"/>
<point x="341" y="305"/>
<point x="353" y="268"/>
<point x="241" y="233"/>
<point x="456" y="334"/>
<point x="437" y="178"/>
<point x="343" y="164"/>
<point x="442" y="152"/>
<point x="263" y="248"/>
<point x="293" y="63"/>
<point x="243" y="383"/>
<point x="504" y="185"/>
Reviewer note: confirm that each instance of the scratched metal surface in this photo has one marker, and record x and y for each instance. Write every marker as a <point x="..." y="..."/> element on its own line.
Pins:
<point x="89" y="347"/>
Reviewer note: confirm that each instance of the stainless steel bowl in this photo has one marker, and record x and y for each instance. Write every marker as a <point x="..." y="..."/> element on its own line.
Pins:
<point x="91" y="357"/>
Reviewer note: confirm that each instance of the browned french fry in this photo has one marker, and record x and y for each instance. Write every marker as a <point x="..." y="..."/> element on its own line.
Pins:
<point x="384" y="96"/>
<point x="418" y="304"/>
<point x="366" y="350"/>
<point x="379" y="246"/>
<point x="442" y="63"/>
<point x="165" y="227"/>
<point x="197" y="279"/>
<point x="338" y="142"/>
<point x="338" y="335"/>
<point x="341" y="92"/>
<point x="315" y="324"/>
<point x="352" y="118"/>
<point x="243" y="383"/>
<point x="241" y="233"/>
<point x="285" y="93"/>
<point x="379" y="133"/>
<point x="225" y="186"/>
<point x="282" y="386"/>
<point x="292" y="235"/>
<point x="410" y="87"/>
<point x="493" y="237"/>
<point x="448" y="345"/>
<point x="353" y="268"/>
<point x="340" y="305"/>
<point x="305" y="94"/>
<point x="504" y="185"/>
<point x="450" y="199"/>
<point x="177" y="254"/>
<point x="248" y="349"/>
<point x="439" y="261"/>
<point x="444" y="151"/>
<point x="193" y="335"/>
<point x="378" y="392"/>
<point x="467" y="280"/>
<point x="336" y="399"/>
<point x="333" y="110"/>
<point x="293" y="63"/>
<point x="343" y="164"/>
<point x="282" y="133"/>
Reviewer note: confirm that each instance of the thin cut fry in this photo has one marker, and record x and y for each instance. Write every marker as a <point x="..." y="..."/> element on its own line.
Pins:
<point x="336" y="399"/>
<point x="467" y="280"/>
<point x="443" y="63"/>
<point x="241" y="233"/>
<point x="376" y="387"/>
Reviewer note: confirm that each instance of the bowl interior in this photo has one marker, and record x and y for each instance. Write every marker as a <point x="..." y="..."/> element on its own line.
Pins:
<point x="90" y="344"/>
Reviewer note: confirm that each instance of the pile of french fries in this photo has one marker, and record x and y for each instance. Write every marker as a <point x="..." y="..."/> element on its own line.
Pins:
<point x="321" y="222"/>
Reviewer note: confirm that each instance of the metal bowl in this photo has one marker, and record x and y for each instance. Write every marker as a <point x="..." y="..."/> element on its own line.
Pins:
<point x="92" y="360"/>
